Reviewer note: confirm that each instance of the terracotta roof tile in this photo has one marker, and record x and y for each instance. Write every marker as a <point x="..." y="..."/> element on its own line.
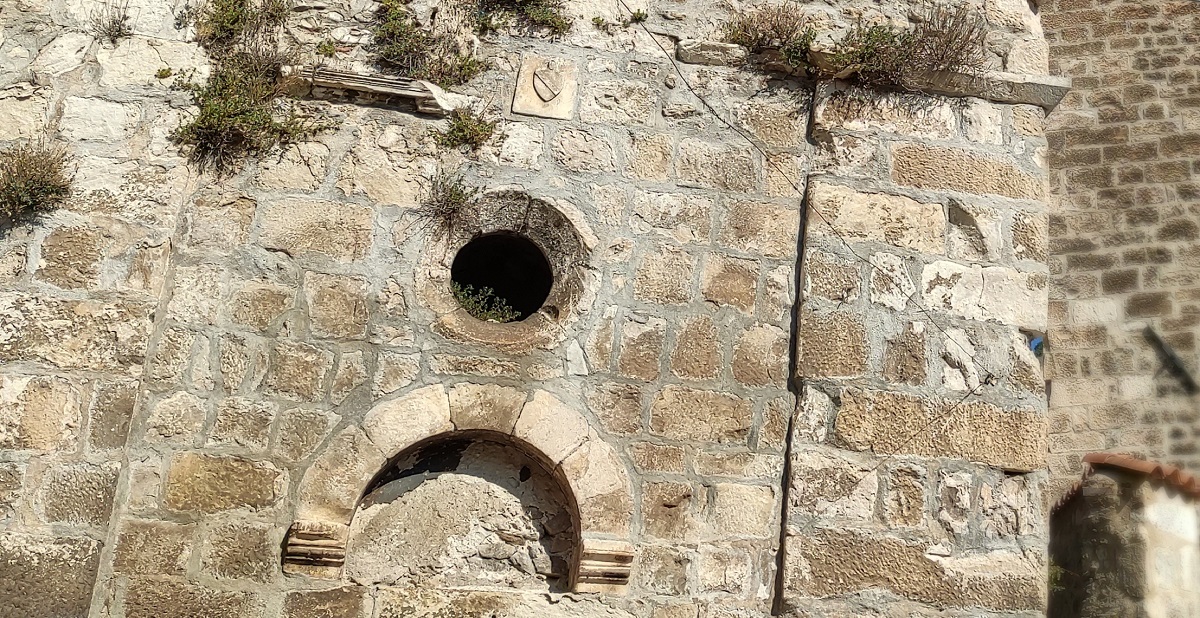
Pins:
<point x="1187" y="484"/>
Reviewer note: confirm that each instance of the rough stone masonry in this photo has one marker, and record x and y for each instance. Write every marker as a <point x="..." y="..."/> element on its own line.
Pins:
<point x="791" y="379"/>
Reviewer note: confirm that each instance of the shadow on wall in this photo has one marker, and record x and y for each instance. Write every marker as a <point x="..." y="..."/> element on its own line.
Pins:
<point x="1126" y="542"/>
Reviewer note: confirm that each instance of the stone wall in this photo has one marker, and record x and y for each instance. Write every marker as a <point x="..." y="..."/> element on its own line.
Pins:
<point x="791" y="378"/>
<point x="1123" y="155"/>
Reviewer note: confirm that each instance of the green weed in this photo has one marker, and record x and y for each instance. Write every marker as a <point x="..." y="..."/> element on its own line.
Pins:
<point x="33" y="178"/>
<point x="483" y="304"/>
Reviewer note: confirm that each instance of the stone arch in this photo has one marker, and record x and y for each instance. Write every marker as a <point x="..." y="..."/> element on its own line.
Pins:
<point x="590" y="470"/>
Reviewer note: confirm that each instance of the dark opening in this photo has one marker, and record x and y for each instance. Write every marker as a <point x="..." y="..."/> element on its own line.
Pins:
<point x="509" y="265"/>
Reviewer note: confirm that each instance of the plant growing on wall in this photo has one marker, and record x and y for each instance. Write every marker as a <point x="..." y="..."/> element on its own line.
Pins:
<point x="448" y="203"/>
<point x="110" y="23"/>
<point x="942" y="40"/>
<point x="466" y="128"/>
<point x="34" y="177"/>
<point x="548" y="14"/>
<point x="242" y="108"/>
<point x="483" y="304"/>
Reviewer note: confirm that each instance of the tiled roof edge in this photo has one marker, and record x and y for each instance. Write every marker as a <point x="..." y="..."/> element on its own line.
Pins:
<point x="1187" y="484"/>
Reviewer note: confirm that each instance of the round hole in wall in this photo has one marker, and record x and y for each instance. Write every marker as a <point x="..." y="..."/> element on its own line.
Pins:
<point x="501" y="277"/>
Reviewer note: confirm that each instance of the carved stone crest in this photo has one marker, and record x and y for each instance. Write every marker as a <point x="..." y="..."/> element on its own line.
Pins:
<point x="545" y="87"/>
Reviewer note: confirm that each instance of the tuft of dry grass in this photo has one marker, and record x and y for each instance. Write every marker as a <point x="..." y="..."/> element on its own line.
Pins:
<point x="411" y="51"/>
<point x="34" y="177"/>
<point x="943" y="39"/>
<point x="110" y="22"/>
<point x="467" y="128"/>
<point x="448" y="203"/>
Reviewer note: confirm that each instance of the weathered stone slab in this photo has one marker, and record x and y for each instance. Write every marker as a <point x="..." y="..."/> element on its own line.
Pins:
<point x="714" y="53"/>
<point x="211" y="484"/>
<point x="932" y="167"/>
<point x="891" y="219"/>
<point x="74" y="334"/>
<point x="896" y="423"/>
<point x="38" y="412"/>
<point x="340" y="232"/>
<point x="986" y="293"/>
<point x="47" y="576"/>
<point x="726" y="418"/>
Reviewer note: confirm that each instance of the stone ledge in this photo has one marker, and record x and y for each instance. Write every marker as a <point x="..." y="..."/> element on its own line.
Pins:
<point x="427" y="98"/>
<point x="1045" y="91"/>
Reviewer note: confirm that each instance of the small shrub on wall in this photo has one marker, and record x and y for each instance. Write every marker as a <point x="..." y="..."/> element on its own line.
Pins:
<point x="34" y="178"/>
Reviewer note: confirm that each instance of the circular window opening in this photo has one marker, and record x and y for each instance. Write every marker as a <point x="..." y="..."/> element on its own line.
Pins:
<point x="502" y="277"/>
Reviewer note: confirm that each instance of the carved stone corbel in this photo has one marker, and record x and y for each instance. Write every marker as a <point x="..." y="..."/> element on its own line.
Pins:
<point x="604" y="566"/>
<point x="315" y="548"/>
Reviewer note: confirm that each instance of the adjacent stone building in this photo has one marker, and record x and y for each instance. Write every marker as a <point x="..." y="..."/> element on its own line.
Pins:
<point x="782" y="365"/>
<point x="1124" y="155"/>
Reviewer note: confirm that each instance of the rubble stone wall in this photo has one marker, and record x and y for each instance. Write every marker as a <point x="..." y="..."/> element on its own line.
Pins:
<point x="1124" y="149"/>
<point x="795" y="378"/>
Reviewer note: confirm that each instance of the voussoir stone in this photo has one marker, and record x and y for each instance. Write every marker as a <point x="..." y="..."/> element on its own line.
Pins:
<point x="600" y="482"/>
<point x="396" y="424"/>
<point x="331" y="487"/>
<point x="485" y="406"/>
<point x="551" y="426"/>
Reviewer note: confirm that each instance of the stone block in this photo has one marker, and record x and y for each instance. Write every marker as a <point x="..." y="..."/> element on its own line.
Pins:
<point x="729" y="280"/>
<point x="551" y="426"/>
<point x="831" y="344"/>
<point x="895" y="423"/>
<point x="892" y="219"/>
<point x="716" y="166"/>
<point x="38" y="413"/>
<point x="485" y="406"/>
<point x="649" y="156"/>
<point x="522" y="146"/>
<point x="661" y="569"/>
<point x="904" y="500"/>
<point x="890" y="283"/>
<point x="612" y="103"/>
<point x="71" y="257"/>
<point x="758" y="227"/>
<point x="713" y="53"/>
<point x="742" y="511"/>
<point x="825" y="484"/>
<point x="300" y="431"/>
<point x="583" y="151"/>
<point x="11" y="477"/>
<point x="243" y="422"/>
<point x="829" y="276"/>
<point x="904" y="357"/>
<point x="727" y="417"/>
<point x="300" y="228"/>
<point x="152" y="548"/>
<point x="244" y="551"/>
<point x="97" y="335"/>
<point x="829" y="562"/>
<point x="779" y="121"/>
<point x="760" y="356"/>
<point x="651" y="457"/>
<point x="724" y="569"/>
<point x="618" y="406"/>
<point x="344" y="602"/>
<point x="641" y="348"/>
<point x="211" y="484"/>
<point x="162" y="598"/>
<point x="738" y="464"/>
<point x="97" y="120"/>
<point x="546" y="87"/>
<point x="259" y="305"/>
<point x="683" y="217"/>
<point x="396" y="424"/>
<point x="601" y="486"/>
<point x="109" y="415"/>
<point x="47" y="576"/>
<point x="297" y="370"/>
<point x="667" y="510"/>
<point x="932" y="167"/>
<point x="867" y="111"/>
<point x="176" y="419"/>
<point x="351" y="373"/>
<point x="395" y="371"/>
<point x="993" y="293"/>
<point x="697" y="354"/>
<point x="196" y="294"/>
<point x="337" y="305"/>
<point x="334" y="482"/>
<point x="79" y="493"/>
<point x="218" y="221"/>
<point x="665" y="276"/>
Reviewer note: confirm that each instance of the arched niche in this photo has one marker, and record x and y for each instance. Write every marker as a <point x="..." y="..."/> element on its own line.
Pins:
<point x="560" y="438"/>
